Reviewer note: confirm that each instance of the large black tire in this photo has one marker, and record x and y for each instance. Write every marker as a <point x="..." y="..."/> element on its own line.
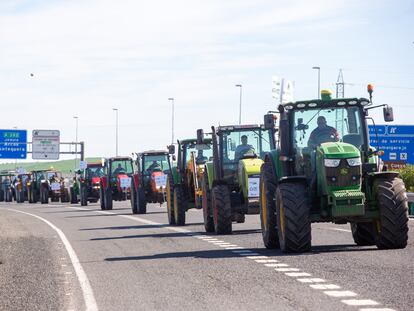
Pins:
<point x="221" y="206"/>
<point x="180" y="206"/>
<point x="8" y="195"/>
<point x="141" y="201"/>
<point x="44" y="195"/>
<point x="364" y="233"/>
<point x="1" y="195"/>
<point x="293" y="223"/>
<point x="393" y="205"/>
<point x="19" y="196"/>
<point x="206" y="203"/>
<point x="268" y="219"/>
<point x="170" y="200"/>
<point x="102" y="198"/>
<point x="134" y="199"/>
<point x="83" y="195"/>
<point x="108" y="199"/>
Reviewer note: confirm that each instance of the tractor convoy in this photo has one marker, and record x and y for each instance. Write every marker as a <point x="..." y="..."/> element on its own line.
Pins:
<point x="310" y="161"/>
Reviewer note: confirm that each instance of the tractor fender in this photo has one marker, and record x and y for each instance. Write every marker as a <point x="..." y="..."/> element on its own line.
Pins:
<point x="209" y="171"/>
<point x="373" y="177"/>
<point x="273" y="156"/>
<point x="248" y="168"/>
<point x="104" y="182"/>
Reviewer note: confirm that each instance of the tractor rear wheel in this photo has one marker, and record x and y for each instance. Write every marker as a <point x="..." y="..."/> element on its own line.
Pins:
<point x="180" y="206"/>
<point x="83" y="195"/>
<point x="134" y="201"/>
<point x="392" y="227"/>
<point x="206" y="203"/>
<point x="221" y="206"/>
<point x="170" y="200"/>
<point x="293" y="223"/>
<point x="364" y="233"/>
<point x="141" y="202"/>
<point x="102" y="198"/>
<point x="108" y="199"/>
<point x="44" y="195"/>
<point x="268" y="219"/>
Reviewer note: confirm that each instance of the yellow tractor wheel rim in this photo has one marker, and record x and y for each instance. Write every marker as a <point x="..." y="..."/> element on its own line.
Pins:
<point x="263" y="202"/>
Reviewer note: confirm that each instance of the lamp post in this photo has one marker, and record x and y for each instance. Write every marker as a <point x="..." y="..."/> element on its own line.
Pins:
<point x="240" y="104"/>
<point x="116" y="130"/>
<point x="76" y="141"/>
<point x="319" y="80"/>
<point x="172" y="119"/>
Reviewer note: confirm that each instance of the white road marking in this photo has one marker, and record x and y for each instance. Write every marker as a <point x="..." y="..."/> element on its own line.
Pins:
<point x="287" y="269"/>
<point x="234" y="247"/>
<point x="276" y="265"/>
<point x="85" y="285"/>
<point x="340" y="293"/>
<point x="297" y="274"/>
<point x="324" y="286"/>
<point x="265" y="260"/>
<point x="360" y="302"/>
<point x="257" y="257"/>
<point x="311" y="280"/>
<point x="376" y="309"/>
<point x="343" y="230"/>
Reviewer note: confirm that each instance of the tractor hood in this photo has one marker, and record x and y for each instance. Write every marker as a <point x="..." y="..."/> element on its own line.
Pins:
<point x="339" y="150"/>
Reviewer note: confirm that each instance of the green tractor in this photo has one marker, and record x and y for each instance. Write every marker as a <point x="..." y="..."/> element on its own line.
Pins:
<point x="184" y="183"/>
<point x="230" y="186"/>
<point x="324" y="170"/>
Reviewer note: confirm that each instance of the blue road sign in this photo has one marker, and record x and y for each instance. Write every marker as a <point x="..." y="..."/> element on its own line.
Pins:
<point x="11" y="146"/>
<point x="397" y="141"/>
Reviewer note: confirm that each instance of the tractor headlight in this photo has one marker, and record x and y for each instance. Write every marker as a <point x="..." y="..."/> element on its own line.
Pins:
<point x="354" y="161"/>
<point x="332" y="162"/>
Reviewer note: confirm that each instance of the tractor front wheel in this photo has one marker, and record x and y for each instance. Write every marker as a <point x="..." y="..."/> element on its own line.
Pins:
<point x="364" y="233"/>
<point x="392" y="228"/>
<point x="134" y="201"/>
<point x="206" y="203"/>
<point x="221" y="206"/>
<point x="108" y="199"/>
<point x="141" y="202"/>
<point x="180" y="206"/>
<point x="268" y="219"/>
<point x="83" y="195"/>
<point x="102" y="198"/>
<point x="170" y="200"/>
<point x="293" y="223"/>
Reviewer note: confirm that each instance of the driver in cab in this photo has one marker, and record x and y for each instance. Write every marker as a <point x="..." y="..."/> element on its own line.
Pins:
<point x="243" y="149"/>
<point x="119" y="170"/>
<point x="322" y="134"/>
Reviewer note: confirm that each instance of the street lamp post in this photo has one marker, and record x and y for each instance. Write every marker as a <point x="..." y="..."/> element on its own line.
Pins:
<point x="116" y="130"/>
<point x="240" y="104"/>
<point x="319" y="80"/>
<point x="172" y="119"/>
<point x="76" y="141"/>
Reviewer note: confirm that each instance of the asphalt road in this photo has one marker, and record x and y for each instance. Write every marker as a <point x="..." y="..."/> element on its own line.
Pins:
<point x="120" y="261"/>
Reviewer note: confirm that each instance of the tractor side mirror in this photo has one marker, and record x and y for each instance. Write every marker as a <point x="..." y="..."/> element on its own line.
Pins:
<point x="171" y="149"/>
<point x="200" y="137"/>
<point x="388" y="114"/>
<point x="269" y="121"/>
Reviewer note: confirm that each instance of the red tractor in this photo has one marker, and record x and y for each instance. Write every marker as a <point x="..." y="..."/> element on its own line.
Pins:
<point x="149" y="184"/>
<point x="115" y="184"/>
<point x="90" y="183"/>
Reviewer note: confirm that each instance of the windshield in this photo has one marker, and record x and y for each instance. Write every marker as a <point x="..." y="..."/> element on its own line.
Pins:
<point x="121" y="167"/>
<point x="202" y="153"/>
<point x="316" y="126"/>
<point x="244" y="143"/>
<point x="94" y="172"/>
<point x="155" y="163"/>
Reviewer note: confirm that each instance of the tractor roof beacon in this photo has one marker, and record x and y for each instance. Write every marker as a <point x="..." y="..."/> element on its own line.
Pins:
<point x="231" y="178"/>
<point x="323" y="169"/>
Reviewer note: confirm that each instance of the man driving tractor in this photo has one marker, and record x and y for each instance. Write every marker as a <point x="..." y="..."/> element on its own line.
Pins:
<point x="243" y="149"/>
<point x="322" y="133"/>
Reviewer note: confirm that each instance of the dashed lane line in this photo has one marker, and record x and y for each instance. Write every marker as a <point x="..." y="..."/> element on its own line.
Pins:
<point x="85" y="285"/>
<point x="319" y="284"/>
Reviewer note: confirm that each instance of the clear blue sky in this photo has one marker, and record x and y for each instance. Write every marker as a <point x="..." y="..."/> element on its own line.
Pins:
<point x="90" y="56"/>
